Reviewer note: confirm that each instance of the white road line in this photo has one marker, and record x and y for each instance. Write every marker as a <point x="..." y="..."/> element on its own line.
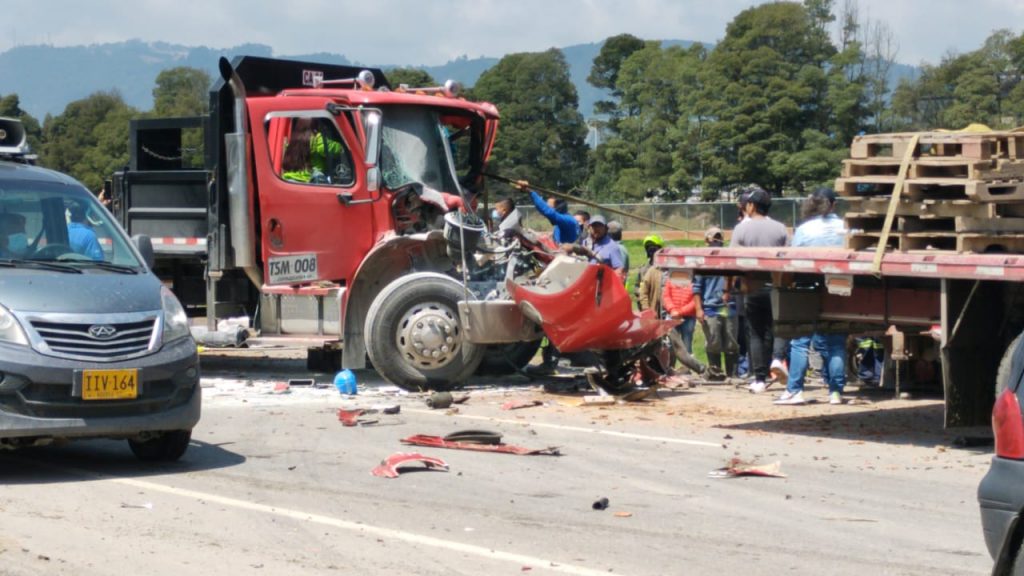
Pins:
<point x="298" y="515"/>
<point x="410" y="537"/>
<point x="574" y="429"/>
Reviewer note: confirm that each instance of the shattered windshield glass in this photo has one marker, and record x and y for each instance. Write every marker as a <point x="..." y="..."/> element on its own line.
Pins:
<point x="413" y="152"/>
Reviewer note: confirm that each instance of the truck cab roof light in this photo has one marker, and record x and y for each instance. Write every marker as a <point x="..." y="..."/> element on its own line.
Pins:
<point x="365" y="80"/>
<point x="450" y="88"/>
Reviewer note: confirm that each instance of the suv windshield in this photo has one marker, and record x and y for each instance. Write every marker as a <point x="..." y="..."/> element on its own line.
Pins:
<point x="47" y="222"/>
<point x="413" y="152"/>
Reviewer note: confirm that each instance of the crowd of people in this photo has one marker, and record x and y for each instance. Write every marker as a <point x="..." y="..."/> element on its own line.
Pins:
<point x="735" y="314"/>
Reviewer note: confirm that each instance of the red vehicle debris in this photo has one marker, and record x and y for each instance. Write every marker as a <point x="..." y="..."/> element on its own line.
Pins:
<point x="439" y="442"/>
<point x="392" y="466"/>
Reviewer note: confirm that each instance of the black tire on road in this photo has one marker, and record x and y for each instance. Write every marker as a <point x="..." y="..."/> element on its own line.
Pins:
<point x="167" y="447"/>
<point x="1005" y="365"/>
<point x="413" y="335"/>
<point x="502" y="359"/>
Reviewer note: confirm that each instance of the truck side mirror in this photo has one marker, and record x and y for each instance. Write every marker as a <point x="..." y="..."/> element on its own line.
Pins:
<point x="372" y="126"/>
<point x="145" y="247"/>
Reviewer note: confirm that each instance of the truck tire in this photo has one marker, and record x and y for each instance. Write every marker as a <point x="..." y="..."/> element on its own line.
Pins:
<point x="413" y="336"/>
<point x="501" y="359"/>
<point x="1005" y="365"/>
<point x="167" y="447"/>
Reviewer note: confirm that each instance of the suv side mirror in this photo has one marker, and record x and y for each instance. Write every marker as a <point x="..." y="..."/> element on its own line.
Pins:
<point x="145" y="247"/>
<point x="372" y="126"/>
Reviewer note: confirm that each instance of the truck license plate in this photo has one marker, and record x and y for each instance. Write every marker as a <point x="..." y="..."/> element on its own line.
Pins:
<point x="110" y="384"/>
<point x="293" y="269"/>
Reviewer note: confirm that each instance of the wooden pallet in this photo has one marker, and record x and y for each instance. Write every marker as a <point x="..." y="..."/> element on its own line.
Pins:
<point x="970" y="145"/>
<point x="869" y="241"/>
<point x="931" y="208"/>
<point x="933" y="188"/>
<point x="868" y="222"/>
<point x="928" y="167"/>
<point x="951" y="242"/>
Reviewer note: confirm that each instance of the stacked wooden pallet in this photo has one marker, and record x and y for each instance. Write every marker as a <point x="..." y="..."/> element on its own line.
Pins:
<point x="963" y="191"/>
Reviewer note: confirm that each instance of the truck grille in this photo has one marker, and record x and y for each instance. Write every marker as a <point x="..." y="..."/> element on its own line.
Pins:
<point x="95" y="340"/>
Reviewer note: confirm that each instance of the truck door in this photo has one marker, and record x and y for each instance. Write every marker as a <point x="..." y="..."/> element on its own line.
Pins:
<point x="315" y="216"/>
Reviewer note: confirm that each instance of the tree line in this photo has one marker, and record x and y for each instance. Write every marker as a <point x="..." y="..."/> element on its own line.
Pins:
<point x="776" y="102"/>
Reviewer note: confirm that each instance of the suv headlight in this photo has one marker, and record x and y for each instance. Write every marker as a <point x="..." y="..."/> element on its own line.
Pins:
<point x="10" y="329"/>
<point x="175" y="320"/>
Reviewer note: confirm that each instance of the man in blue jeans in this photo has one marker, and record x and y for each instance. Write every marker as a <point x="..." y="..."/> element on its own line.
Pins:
<point x="821" y="227"/>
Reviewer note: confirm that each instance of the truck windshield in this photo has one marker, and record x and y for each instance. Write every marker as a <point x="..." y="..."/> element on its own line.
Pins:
<point x="413" y="151"/>
<point x="47" y="222"/>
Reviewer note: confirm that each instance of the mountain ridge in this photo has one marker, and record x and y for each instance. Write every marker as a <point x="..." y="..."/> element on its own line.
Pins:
<point x="47" y="78"/>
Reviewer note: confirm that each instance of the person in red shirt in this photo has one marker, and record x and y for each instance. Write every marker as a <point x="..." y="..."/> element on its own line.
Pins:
<point x="678" y="303"/>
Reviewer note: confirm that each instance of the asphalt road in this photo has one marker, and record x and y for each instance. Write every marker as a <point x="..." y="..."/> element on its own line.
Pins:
<point x="274" y="484"/>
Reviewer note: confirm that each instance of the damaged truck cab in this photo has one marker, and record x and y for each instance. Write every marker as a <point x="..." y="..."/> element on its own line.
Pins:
<point x="336" y="207"/>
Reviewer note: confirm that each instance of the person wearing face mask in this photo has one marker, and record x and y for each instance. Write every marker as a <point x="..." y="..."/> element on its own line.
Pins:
<point x="16" y="241"/>
<point x="507" y="216"/>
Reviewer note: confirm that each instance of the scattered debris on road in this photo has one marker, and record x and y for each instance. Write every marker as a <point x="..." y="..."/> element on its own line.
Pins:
<point x="623" y="514"/>
<point x="519" y="404"/>
<point x="737" y="468"/>
<point x="439" y="442"/>
<point x="600" y="504"/>
<point x="392" y="466"/>
<point x="440" y="400"/>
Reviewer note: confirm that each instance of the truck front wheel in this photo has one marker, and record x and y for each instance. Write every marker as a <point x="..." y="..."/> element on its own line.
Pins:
<point x="413" y="335"/>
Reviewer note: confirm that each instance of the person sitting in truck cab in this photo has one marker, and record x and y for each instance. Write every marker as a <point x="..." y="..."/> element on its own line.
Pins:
<point x="309" y="155"/>
<point x="81" y="237"/>
<point x="297" y="163"/>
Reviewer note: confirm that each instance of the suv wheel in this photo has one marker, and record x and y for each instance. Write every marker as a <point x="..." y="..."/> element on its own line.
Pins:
<point x="167" y="447"/>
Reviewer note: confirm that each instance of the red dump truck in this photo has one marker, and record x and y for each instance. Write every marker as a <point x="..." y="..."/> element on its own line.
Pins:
<point x="332" y="206"/>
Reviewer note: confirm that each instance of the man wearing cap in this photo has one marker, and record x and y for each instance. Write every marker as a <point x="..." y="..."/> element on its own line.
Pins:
<point x="598" y="246"/>
<point x="711" y="295"/>
<point x="821" y="228"/>
<point x="615" y="231"/>
<point x="760" y="230"/>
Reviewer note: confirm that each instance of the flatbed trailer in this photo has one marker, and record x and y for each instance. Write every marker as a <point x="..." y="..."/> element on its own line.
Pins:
<point x="956" y="312"/>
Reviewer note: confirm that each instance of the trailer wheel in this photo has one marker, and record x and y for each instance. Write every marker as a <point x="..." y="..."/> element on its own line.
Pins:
<point x="501" y="359"/>
<point x="1006" y="365"/>
<point x="413" y="336"/>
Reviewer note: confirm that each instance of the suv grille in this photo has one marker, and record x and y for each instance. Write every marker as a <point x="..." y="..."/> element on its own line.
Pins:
<point x="74" y="340"/>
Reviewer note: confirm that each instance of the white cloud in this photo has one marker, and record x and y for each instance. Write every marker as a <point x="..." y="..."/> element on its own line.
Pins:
<point x="432" y="32"/>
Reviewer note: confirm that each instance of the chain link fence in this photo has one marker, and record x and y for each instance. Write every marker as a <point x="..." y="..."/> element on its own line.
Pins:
<point x="692" y="217"/>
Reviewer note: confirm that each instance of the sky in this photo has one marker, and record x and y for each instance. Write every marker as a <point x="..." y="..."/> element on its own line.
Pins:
<point x="431" y="32"/>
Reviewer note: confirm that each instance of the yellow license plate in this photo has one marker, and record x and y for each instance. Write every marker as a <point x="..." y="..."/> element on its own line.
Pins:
<point x="110" y="384"/>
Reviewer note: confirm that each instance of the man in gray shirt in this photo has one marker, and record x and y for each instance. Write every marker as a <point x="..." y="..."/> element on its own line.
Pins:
<point x="759" y="230"/>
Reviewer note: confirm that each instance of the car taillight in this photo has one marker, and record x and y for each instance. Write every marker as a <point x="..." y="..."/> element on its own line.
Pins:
<point x="1008" y="426"/>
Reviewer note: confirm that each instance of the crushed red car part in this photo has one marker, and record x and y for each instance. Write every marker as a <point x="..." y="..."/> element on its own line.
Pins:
<point x="582" y="306"/>
<point x="390" y="466"/>
<point x="439" y="442"/>
<point x="350" y="417"/>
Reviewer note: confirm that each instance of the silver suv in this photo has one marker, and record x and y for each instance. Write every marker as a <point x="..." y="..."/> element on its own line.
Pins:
<point x="92" y="345"/>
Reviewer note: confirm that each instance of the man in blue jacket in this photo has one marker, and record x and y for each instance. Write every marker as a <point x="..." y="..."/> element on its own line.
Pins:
<point x="566" y="227"/>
